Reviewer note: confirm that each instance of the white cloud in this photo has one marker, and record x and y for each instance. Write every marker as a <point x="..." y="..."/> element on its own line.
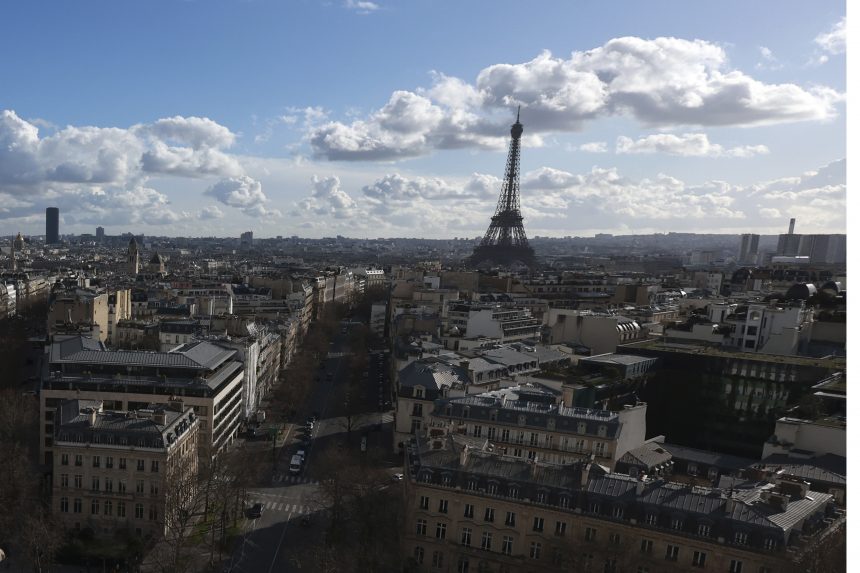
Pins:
<point x="362" y="6"/>
<point x="594" y="147"/>
<point x="687" y="145"/>
<point x="768" y="59"/>
<point x="243" y="193"/>
<point x="81" y="167"/>
<point x="660" y="82"/>
<point x="210" y="212"/>
<point x="328" y="199"/>
<point x="833" y="41"/>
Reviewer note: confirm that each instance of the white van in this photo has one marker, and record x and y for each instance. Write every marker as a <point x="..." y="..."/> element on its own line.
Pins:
<point x="296" y="464"/>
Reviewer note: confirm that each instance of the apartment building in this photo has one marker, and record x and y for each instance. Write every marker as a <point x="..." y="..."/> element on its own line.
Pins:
<point x="470" y="509"/>
<point x="526" y="422"/>
<point x="116" y="470"/>
<point x="207" y="376"/>
<point x="492" y="321"/>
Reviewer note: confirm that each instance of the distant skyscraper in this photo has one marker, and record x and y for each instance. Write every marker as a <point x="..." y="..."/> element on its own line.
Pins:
<point x="100" y="234"/>
<point x="52" y="225"/>
<point x="247" y="240"/>
<point x="133" y="258"/>
<point x="749" y="249"/>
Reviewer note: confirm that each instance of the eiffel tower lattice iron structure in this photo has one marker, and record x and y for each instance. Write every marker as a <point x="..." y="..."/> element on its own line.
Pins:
<point x="505" y="242"/>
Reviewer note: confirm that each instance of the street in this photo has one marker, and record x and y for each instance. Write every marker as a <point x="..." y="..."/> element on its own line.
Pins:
<point x="294" y="513"/>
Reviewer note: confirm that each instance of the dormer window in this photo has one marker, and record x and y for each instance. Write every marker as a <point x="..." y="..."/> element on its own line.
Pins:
<point x="580" y="428"/>
<point x="550" y="423"/>
<point x="601" y="431"/>
<point x="466" y="412"/>
<point x="493" y="415"/>
<point x="521" y="420"/>
<point x="741" y="538"/>
<point x="449" y="410"/>
<point x="677" y="523"/>
<point x="513" y="492"/>
<point x="418" y="392"/>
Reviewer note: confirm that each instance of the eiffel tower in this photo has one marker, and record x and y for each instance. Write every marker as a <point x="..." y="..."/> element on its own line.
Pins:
<point x="505" y="243"/>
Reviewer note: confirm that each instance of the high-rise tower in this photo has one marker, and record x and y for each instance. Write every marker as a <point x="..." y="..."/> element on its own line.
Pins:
<point x="52" y="225"/>
<point x="505" y="242"/>
<point x="133" y="258"/>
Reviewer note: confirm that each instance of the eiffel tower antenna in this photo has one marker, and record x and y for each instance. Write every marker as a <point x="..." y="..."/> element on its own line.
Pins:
<point x="505" y="242"/>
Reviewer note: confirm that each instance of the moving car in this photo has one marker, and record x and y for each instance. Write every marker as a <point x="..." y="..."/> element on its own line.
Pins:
<point x="296" y="464"/>
<point x="256" y="511"/>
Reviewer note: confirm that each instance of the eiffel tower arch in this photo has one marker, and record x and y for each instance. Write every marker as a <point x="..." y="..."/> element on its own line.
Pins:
<point x="505" y="242"/>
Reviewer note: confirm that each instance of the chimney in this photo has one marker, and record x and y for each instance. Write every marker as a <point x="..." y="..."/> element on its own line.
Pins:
<point x="175" y="404"/>
<point x="791" y="226"/>
<point x="92" y="415"/>
<point x="730" y="504"/>
<point x="586" y="471"/>
<point x="160" y="417"/>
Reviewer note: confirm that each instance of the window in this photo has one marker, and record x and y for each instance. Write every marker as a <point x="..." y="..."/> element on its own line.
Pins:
<point x="599" y="449"/>
<point x="590" y="534"/>
<point x="154" y="466"/>
<point x="469" y="510"/>
<point x="487" y="541"/>
<point x="141" y="465"/>
<point x="513" y="492"/>
<point x="425" y="502"/>
<point x="563" y="501"/>
<point x="507" y="544"/>
<point x="473" y="485"/>
<point x="438" y="559"/>
<point x="704" y="530"/>
<point x="490" y="515"/>
<point x="79" y="460"/>
<point x="153" y="513"/>
<point x="672" y="552"/>
<point x="518" y="452"/>
<point x="64" y="504"/>
<point x="594" y="507"/>
<point x="417" y="409"/>
<point x="122" y="463"/>
<point x="541" y="497"/>
<point x="618" y="511"/>
<point x="466" y="537"/>
<point x="443" y="506"/>
<point x="538" y="524"/>
<point x="95" y="484"/>
<point x="677" y="523"/>
<point x="463" y="565"/>
<point x="108" y="507"/>
<point x="441" y="528"/>
<point x="740" y="538"/>
<point x="421" y="527"/>
<point x="139" y="486"/>
<point x="749" y="344"/>
<point x="492" y="488"/>
<point x="416" y="425"/>
<point x="419" y="554"/>
<point x="736" y="566"/>
<point x="491" y="433"/>
<point x="560" y="527"/>
<point x="153" y="488"/>
<point x="108" y="484"/>
<point x="699" y="558"/>
<point x="651" y="519"/>
<point x="120" y="509"/>
<point x="97" y="461"/>
<point x="533" y="439"/>
<point x="477" y="431"/>
<point x="511" y="519"/>
<point x="615" y="539"/>
<point x="647" y="546"/>
<point x="506" y="435"/>
<point x="120" y="486"/>
<point x="692" y="469"/>
<point x="64" y="480"/>
<point x="64" y="459"/>
<point x="95" y="508"/>
<point x="77" y="505"/>
<point x="109" y="462"/>
<point x="769" y="543"/>
<point x="534" y="550"/>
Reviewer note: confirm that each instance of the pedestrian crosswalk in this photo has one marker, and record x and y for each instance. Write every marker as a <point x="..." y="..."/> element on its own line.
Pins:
<point x="285" y="507"/>
<point x="295" y="480"/>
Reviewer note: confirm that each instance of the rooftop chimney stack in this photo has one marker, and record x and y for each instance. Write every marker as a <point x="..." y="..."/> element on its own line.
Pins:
<point x="791" y="226"/>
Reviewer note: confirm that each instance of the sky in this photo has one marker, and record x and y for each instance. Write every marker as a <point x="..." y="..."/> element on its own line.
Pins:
<point x="391" y="118"/>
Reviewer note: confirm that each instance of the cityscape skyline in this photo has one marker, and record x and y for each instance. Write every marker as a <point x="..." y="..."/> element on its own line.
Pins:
<point x="734" y="129"/>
